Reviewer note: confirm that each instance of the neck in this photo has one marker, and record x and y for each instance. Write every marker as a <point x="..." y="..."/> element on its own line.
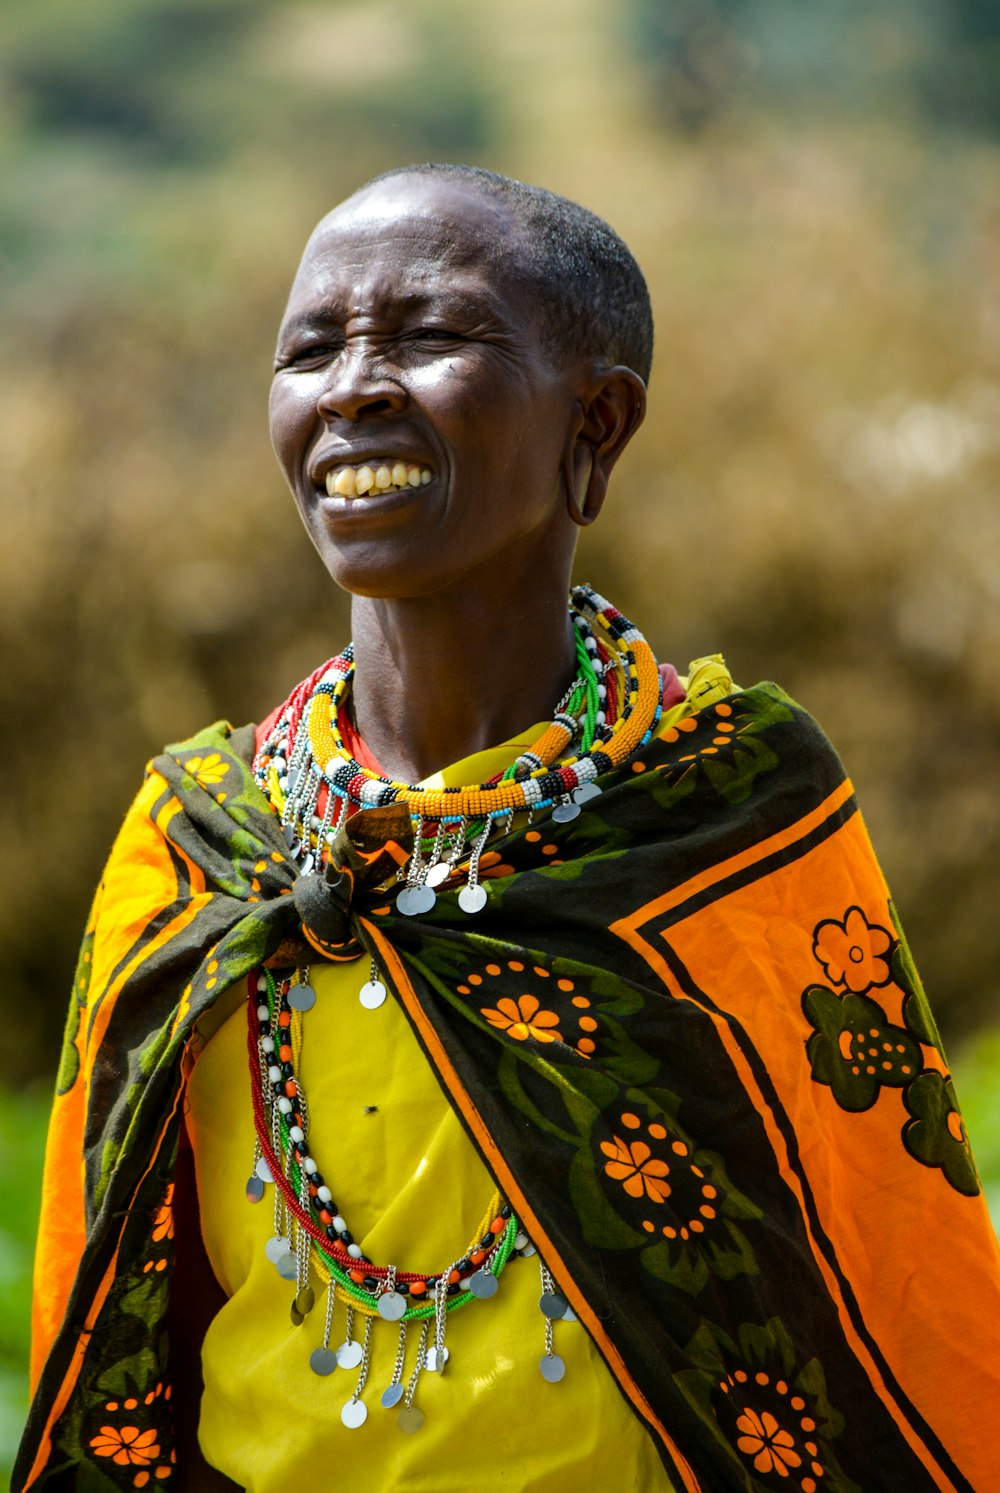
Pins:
<point x="438" y="678"/>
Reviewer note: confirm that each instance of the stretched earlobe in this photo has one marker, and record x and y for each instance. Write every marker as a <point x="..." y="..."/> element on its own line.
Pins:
<point x="606" y="419"/>
<point x="582" y="503"/>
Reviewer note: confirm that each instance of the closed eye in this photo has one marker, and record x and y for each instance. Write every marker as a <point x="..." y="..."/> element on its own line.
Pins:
<point x="434" y="334"/>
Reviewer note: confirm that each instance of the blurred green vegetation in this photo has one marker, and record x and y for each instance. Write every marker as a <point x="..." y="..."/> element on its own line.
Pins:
<point x="812" y="192"/>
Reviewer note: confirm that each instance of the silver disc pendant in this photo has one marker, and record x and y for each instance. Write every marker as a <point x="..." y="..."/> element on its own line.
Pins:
<point x="410" y="1419"/>
<point x="438" y="875"/>
<point x="288" y="1266"/>
<point x="263" y="1171"/>
<point x="414" y="901"/>
<point x="302" y="997"/>
<point x="322" y="1361"/>
<point x="484" y="1285"/>
<point x="520" y="1239"/>
<point x="552" y="1367"/>
<point x="391" y="1305"/>
<point x="354" y="1414"/>
<point x="348" y="1355"/>
<point x="372" y="994"/>
<point x="275" y="1247"/>
<point x="295" y="1315"/>
<point x="255" y="1189"/>
<point x="553" y="1305"/>
<point x="392" y="1396"/>
<point x="528" y="1250"/>
<point x="305" y="1300"/>
<point x="569" y="1315"/>
<point x="563" y="813"/>
<point x="436" y="1360"/>
<point x="306" y="863"/>
<point x="472" y="899"/>
<point x="584" y="792"/>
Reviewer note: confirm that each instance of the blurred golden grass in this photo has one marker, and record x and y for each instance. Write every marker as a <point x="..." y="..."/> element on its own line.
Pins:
<point x="814" y="491"/>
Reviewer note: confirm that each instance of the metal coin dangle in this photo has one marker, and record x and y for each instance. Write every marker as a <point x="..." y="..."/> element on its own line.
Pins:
<point x="472" y="899"/>
<point x="372" y="994"/>
<point x="391" y="1305"/>
<point x="322" y="1361"/>
<point x="288" y="1266"/>
<point x="348" y="1355"/>
<point x="414" y="901"/>
<point x="354" y="1414"/>
<point x="301" y="997"/>
<point x="563" y="813"/>
<point x="553" y="1305"/>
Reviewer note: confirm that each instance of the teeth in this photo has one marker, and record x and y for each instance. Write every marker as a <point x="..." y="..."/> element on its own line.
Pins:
<point x="350" y="482"/>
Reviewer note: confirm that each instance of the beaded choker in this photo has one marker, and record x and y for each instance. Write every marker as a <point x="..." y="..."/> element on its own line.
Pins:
<point x="609" y="712"/>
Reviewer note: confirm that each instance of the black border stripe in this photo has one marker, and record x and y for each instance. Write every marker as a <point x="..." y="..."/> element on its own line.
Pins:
<point x="747" y="875"/>
<point x="687" y="983"/>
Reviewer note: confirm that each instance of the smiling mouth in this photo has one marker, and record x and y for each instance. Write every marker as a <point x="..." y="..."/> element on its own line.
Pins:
<point x="375" y="477"/>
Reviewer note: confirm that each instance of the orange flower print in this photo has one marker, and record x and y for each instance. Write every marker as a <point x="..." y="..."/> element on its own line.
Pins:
<point x="163" y="1219"/>
<point x="524" y="1018"/>
<point x="127" y="1445"/>
<point x="772" y="1449"/>
<point x="852" y="952"/>
<point x="637" y="1169"/>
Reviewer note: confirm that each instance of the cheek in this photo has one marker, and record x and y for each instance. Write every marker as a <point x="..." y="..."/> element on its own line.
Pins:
<point x="289" y="420"/>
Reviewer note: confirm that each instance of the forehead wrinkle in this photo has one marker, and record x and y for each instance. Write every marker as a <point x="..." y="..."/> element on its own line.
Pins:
<point x="327" y="300"/>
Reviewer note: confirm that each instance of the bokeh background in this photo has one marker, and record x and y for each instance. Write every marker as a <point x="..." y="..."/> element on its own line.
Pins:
<point x="814" y="191"/>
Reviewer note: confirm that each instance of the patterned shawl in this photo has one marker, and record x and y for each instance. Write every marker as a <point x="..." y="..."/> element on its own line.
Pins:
<point x="709" y="1083"/>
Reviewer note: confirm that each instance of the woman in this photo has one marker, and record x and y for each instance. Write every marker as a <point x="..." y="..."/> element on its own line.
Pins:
<point x="654" y="1058"/>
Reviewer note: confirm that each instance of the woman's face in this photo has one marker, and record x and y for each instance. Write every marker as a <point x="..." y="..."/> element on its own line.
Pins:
<point x="408" y="348"/>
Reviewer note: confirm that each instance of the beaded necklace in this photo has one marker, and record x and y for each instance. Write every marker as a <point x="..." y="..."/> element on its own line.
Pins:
<point x="610" y="711"/>
<point x="309" y="1231"/>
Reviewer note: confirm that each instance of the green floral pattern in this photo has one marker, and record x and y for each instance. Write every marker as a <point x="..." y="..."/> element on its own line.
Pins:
<point x="857" y="1051"/>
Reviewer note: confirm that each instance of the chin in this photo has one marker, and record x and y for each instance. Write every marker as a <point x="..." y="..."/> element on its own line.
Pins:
<point x="379" y="577"/>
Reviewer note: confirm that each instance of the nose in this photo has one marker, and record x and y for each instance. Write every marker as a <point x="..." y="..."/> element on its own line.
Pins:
<point x="358" y="386"/>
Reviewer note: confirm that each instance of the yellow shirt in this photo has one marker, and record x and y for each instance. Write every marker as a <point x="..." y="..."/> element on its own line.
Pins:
<point x="412" y="1189"/>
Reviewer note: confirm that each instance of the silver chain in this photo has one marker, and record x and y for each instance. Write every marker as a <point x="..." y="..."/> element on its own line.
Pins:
<point x="365" y="1360"/>
<point x="411" y="1387"/>
<point x="331" y="1301"/>
<point x="397" y="1368"/>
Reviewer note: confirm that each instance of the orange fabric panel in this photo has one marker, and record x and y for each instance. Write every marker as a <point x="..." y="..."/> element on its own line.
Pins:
<point x="751" y="953"/>
<point x="139" y="878"/>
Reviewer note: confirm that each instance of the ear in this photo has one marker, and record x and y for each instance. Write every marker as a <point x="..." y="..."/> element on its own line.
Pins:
<point x="610" y="410"/>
